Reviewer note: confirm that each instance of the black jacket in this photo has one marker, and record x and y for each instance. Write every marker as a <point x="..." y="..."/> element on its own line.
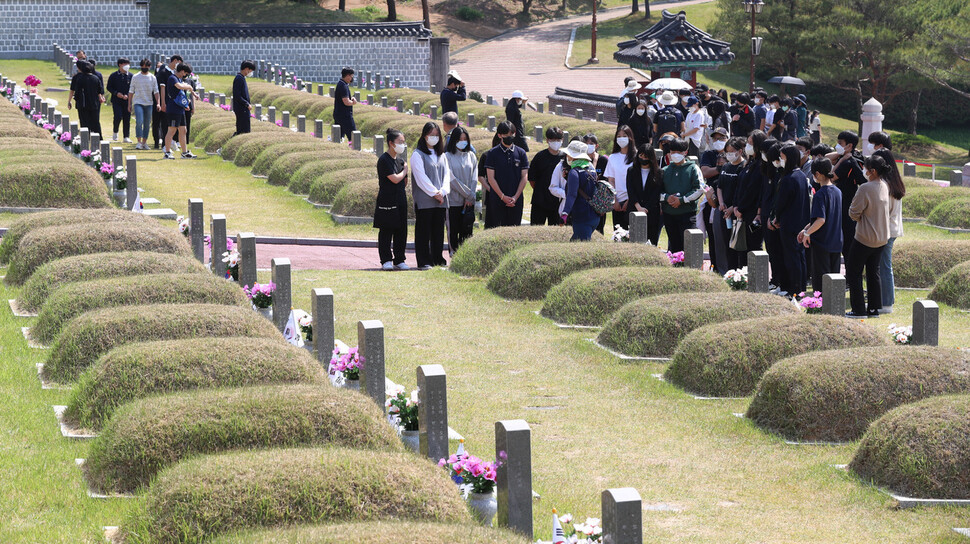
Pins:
<point x="646" y="196"/>
<point x="747" y="195"/>
<point x="514" y="116"/>
<point x="119" y="82"/>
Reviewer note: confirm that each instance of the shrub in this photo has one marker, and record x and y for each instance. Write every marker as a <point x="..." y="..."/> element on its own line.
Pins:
<point x="73" y="300"/>
<point x="920" y="201"/>
<point x="51" y="276"/>
<point x="920" y="263"/>
<point x="358" y="198"/>
<point x="285" y="166"/>
<point x="728" y="359"/>
<point x="146" y="435"/>
<point x="308" y="174"/>
<point x="44" y="245"/>
<point x="271" y="154"/>
<point x="467" y="13"/>
<point x="138" y="370"/>
<point x="481" y="253"/>
<point x="52" y="184"/>
<point x="590" y="297"/>
<point x="325" y="188"/>
<point x="209" y="495"/>
<point x="529" y="272"/>
<point x="920" y="450"/>
<point x="32" y="221"/>
<point x="92" y="334"/>
<point x="954" y="287"/>
<point x="242" y="149"/>
<point x="653" y="326"/>
<point x="377" y="532"/>
<point x="954" y="213"/>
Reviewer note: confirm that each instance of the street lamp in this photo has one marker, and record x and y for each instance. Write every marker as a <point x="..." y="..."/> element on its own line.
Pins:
<point x="753" y="7"/>
<point x="592" y="56"/>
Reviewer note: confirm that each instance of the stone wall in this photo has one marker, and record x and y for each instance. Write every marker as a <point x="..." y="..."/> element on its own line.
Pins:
<point x="107" y="29"/>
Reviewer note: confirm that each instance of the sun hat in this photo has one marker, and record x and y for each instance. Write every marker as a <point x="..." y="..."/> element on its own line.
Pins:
<point x="668" y="98"/>
<point x="801" y="98"/>
<point x="518" y="94"/>
<point x="633" y="86"/>
<point x="577" y="150"/>
<point x="722" y="131"/>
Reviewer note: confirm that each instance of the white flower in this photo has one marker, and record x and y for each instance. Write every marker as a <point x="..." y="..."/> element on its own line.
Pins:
<point x="340" y="347"/>
<point x="597" y="530"/>
<point x="414" y="396"/>
<point x="593" y="522"/>
<point x="566" y="518"/>
<point x="579" y="528"/>
<point x="394" y="391"/>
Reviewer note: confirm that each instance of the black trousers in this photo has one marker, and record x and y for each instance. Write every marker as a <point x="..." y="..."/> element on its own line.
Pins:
<point x="863" y="256"/>
<point x="347" y="127"/>
<point x="775" y="257"/>
<point x="458" y="232"/>
<point x="429" y="236"/>
<point x="498" y="214"/>
<point x="188" y="128"/>
<point x="121" y="117"/>
<point x="392" y="243"/>
<point x="675" y="225"/>
<point x="795" y="269"/>
<point x="848" y="235"/>
<point x="709" y="228"/>
<point x="654" y="224"/>
<point x="622" y="219"/>
<point x="542" y="215"/>
<point x="824" y="262"/>
<point x="159" y="126"/>
<point x="90" y="118"/>
<point x="242" y="123"/>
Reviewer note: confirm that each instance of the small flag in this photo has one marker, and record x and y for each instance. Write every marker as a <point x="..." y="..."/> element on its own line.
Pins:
<point x="558" y="536"/>
<point x="292" y="333"/>
<point x="461" y="447"/>
<point x="137" y="207"/>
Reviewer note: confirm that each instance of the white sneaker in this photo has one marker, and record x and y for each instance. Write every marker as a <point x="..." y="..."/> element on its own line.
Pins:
<point x="782" y="293"/>
<point x="886" y="310"/>
<point x="127" y="140"/>
<point x="114" y="137"/>
<point x="169" y="155"/>
<point x="387" y="266"/>
<point x="402" y="266"/>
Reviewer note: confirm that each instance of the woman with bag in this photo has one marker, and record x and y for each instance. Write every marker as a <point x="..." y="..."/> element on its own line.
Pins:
<point x="391" y="211"/>
<point x="644" y="182"/>
<point x="747" y="197"/>
<point x="463" y="166"/>
<point x="581" y="179"/>
<point x="727" y="186"/>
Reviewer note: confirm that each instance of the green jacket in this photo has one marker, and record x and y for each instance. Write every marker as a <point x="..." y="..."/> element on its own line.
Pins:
<point x="684" y="180"/>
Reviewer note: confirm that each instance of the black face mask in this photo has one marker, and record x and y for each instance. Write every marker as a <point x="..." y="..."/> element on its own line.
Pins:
<point x="507" y="140"/>
<point x="144" y="69"/>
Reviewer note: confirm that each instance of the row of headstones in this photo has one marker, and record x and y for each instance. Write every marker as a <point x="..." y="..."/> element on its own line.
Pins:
<point x="926" y="313"/>
<point x="63" y="59"/>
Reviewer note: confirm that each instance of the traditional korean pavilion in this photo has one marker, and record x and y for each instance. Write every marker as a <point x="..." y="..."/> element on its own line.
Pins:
<point x="674" y="48"/>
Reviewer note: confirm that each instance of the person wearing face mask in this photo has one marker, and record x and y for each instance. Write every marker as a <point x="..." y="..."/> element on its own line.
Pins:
<point x="119" y="85"/>
<point x="870" y="209"/>
<point x="159" y="120"/>
<point x="742" y="116"/>
<point x="727" y="185"/>
<point x="142" y="99"/>
<point x="599" y="163"/>
<point x="774" y="117"/>
<point x="580" y="186"/>
<point x="823" y="235"/>
<point x="897" y="190"/>
<point x="240" y="97"/>
<point x="513" y="114"/>
<point x="792" y="210"/>
<point x="879" y="140"/>
<point x="507" y="171"/>
<point x="760" y="109"/>
<point x="463" y="167"/>
<point x="641" y="125"/>
<point x="684" y="95"/>
<point x="711" y="163"/>
<point x="848" y="178"/>
<point x="431" y="176"/>
<point x="453" y="93"/>
<point x="624" y="153"/>
<point x="391" y="211"/>
<point x="627" y="105"/>
<point x="681" y="191"/>
<point x="771" y="153"/>
<point x="545" y="207"/>
<point x="668" y="119"/>
<point x="789" y="121"/>
<point x="804" y="147"/>
<point x="696" y="124"/>
<point x="644" y="182"/>
<point x="747" y="195"/>
<point x="557" y="182"/>
<point x="801" y="112"/>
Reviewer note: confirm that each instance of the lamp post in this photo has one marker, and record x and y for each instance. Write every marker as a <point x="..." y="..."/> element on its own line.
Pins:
<point x="753" y="7"/>
<point x="592" y="52"/>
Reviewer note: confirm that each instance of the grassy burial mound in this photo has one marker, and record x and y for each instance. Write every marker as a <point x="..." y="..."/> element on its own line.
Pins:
<point x="90" y="335"/>
<point x="480" y="254"/>
<point x="834" y="395"/>
<point x="265" y="159"/>
<point x="654" y="326"/>
<point x="529" y="272"/>
<point x="203" y="497"/>
<point x="728" y="359"/>
<point x="81" y="268"/>
<point x="71" y="217"/>
<point x="954" y="287"/>
<point x="920" y="263"/>
<point x="143" y="369"/>
<point x="45" y="245"/>
<point x="920" y="450"/>
<point x="356" y="198"/>
<point x="284" y="167"/>
<point x="243" y="149"/>
<point x="73" y="300"/>
<point x="325" y="188"/>
<point x="146" y="435"/>
<point x="590" y="297"/>
<point x="376" y="532"/>
<point x="953" y="213"/>
<point x="314" y="172"/>
<point x="54" y="182"/>
<point x="920" y="201"/>
<point x="220" y="134"/>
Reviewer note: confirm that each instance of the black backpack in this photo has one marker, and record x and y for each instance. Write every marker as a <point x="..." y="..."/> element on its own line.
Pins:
<point x="666" y="122"/>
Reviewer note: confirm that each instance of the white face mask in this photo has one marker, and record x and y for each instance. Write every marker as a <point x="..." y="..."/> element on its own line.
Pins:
<point x="432" y="140"/>
<point x="676" y="158"/>
<point x="591" y="148"/>
<point x="626" y="100"/>
<point x="764" y="156"/>
<point x="804" y="154"/>
<point x="641" y="111"/>
<point x="622" y="141"/>
<point x="839" y="149"/>
<point x="685" y="99"/>
<point x="718" y="145"/>
<point x="749" y="150"/>
<point x="555" y="145"/>
<point x="731" y="156"/>
<point x="782" y="163"/>
<point x="461" y="145"/>
<point x="400" y="148"/>
<point x="758" y="101"/>
<point x="124" y="67"/>
<point x="865" y="172"/>
<point x="776" y="164"/>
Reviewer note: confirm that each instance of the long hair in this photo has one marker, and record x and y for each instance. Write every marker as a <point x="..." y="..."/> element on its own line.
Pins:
<point x="792" y="158"/>
<point x="430" y="127"/>
<point x="897" y="189"/>
<point x="656" y="175"/>
<point x="631" y="151"/>
<point x="455" y="136"/>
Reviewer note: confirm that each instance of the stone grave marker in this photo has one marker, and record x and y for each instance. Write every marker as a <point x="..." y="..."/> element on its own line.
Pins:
<point x="537" y="133"/>
<point x="558" y="109"/>
<point x="378" y="145"/>
<point x="335" y="135"/>
<point x="399" y="104"/>
<point x="321" y="306"/>
<point x="471" y="120"/>
<point x="105" y="151"/>
<point x="540" y="107"/>
<point x="259" y="111"/>
<point x="956" y="178"/>
<point x="415" y="108"/>
<point x="384" y="101"/>
<point x="758" y="271"/>
<point x="638" y="228"/>
<point x="909" y="169"/>
<point x="432" y="412"/>
<point x="833" y="294"/>
<point x="397" y="83"/>
<point x="505" y="101"/>
<point x="434" y="112"/>
<point x="217" y="236"/>
<point x="320" y="89"/>
<point x="85" y="138"/>
<point x="370" y="341"/>
<point x="197" y="228"/>
<point x="513" y="482"/>
<point x="579" y="113"/>
<point x="600" y="117"/>
<point x="283" y="296"/>
<point x="318" y="128"/>
<point x="694" y="249"/>
<point x="271" y="113"/>
<point x="926" y="323"/>
<point x="491" y="123"/>
<point x="286" y="119"/>
<point x="246" y="242"/>
<point x="355" y="140"/>
<point x="117" y="157"/>
<point x="370" y="99"/>
<point x="622" y="512"/>
<point x="131" y="168"/>
<point x="301" y="123"/>
<point x="331" y="91"/>
<point x="94" y="144"/>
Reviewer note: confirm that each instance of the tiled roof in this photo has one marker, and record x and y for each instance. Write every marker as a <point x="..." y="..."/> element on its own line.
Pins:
<point x="582" y="95"/>
<point x="290" y="30"/>
<point x="674" y="43"/>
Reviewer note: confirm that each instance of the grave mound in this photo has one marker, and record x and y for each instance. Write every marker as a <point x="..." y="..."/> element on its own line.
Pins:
<point x="480" y="254"/>
<point x="952" y="287"/>
<point x="265" y="159"/>
<point x="357" y="198"/>
<point x="243" y="149"/>
<point x="920" y="263"/>
<point x="953" y="213"/>
<point x="315" y="172"/>
<point x="283" y="168"/>
<point x="376" y="532"/>
<point x="56" y="181"/>
<point x="920" y="201"/>
<point x="324" y="189"/>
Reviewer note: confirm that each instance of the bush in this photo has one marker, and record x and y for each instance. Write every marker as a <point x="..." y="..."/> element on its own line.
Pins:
<point x="209" y="495"/>
<point x="590" y="297"/>
<point x="529" y="272"/>
<point x="32" y="221"/>
<point x="952" y="288"/>
<point x="271" y="154"/>
<point x="654" y="326"/>
<point x="954" y="214"/>
<point x="728" y="359"/>
<point x="44" y="245"/>
<point x="920" y="450"/>
<point x="134" y="371"/>
<point x="324" y="189"/>
<point x="243" y="149"/>
<point x="304" y="178"/>
<point x="358" y="198"/>
<point x="73" y="300"/>
<point x="467" y="13"/>
<point x="377" y="532"/>
<point x="145" y="436"/>
<point x="920" y="263"/>
<point x="284" y="167"/>
<point x="59" y="183"/>
<point x="480" y="254"/>
<point x="51" y="276"/>
<point x="834" y="395"/>
<point x="89" y="336"/>
<point x="920" y="201"/>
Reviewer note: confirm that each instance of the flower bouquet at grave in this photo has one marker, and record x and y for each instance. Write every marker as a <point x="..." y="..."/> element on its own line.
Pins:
<point x="231" y="258"/>
<point x="49" y="127"/>
<point x="32" y="81"/>
<point x="120" y="178"/>
<point x="37" y="118"/>
<point x="676" y="259"/>
<point x="3" y="91"/>
<point x="305" y="322"/>
<point x="89" y="156"/>
<point x="76" y="145"/>
<point x="344" y="363"/>
<point x="737" y="279"/>
<point x="65" y="138"/>
<point x="403" y="408"/>
<point x="900" y="334"/>
<point x="620" y="234"/>
<point x="260" y="294"/>
<point x="811" y="304"/>
<point x="107" y="171"/>
<point x="185" y="226"/>
<point x="472" y="473"/>
<point x="588" y="532"/>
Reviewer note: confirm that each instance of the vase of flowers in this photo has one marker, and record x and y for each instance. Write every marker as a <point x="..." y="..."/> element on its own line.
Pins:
<point x="676" y="259"/>
<point x="588" y="532"/>
<point x="620" y="234"/>
<point x="32" y="82"/>
<point x="231" y="258"/>
<point x="811" y="304"/>
<point x="737" y="279"/>
<point x="402" y="409"/>
<point x="305" y="322"/>
<point x="185" y="226"/>
<point x="478" y="478"/>
<point x="261" y="296"/>
<point x="900" y="334"/>
<point x="345" y="366"/>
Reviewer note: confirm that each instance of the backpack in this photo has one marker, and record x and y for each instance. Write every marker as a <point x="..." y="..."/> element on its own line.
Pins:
<point x="666" y="122"/>
<point x="604" y="195"/>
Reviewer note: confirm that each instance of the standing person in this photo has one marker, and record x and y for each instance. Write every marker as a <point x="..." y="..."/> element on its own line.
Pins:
<point x="761" y="111"/>
<point x="880" y="140"/>
<point x="644" y="182"/>
<point x="727" y="189"/>
<point x="668" y="119"/>
<point x="391" y="210"/>
<point x="343" y="105"/>
<point x="771" y="153"/>
<point x="545" y="206"/>
<point x="159" y="121"/>
<point x="870" y="210"/>
<point x="848" y="178"/>
<point x="747" y="195"/>
<point x="430" y="171"/>
<point x="641" y="125"/>
<point x="513" y="114"/>
<point x="449" y="122"/>
<point x="627" y="105"/>
<point x="801" y="112"/>
<point x="619" y="161"/>
<point x="712" y="162"/>
<point x="792" y="210"/>
<point x="176" y="105"/>
<point x="789" y="123"/>
<point x="463" y="167"/>
<point x="142" y="99"/>
<point x="193" y="81"/>
<point x="696" y="125"/>
<point x="453" y="93"/>
<point x="681" y="190"/>
<point x="79" y="55"/>
<point x="88" y="94"/>
<point x="241" y="105"/>
<point x="599" y="163"/>
<point x="823" y="236"/>
<point x="804" y="146"/>
<point x="507" y="171"/>
<point x="815" y="126"/>
<point x="119" y="85"/>
<point x="580" y="185"/>
<point x="897" y="190"/>
<point x="630" y="88"/>
<point x="742" y="116"/>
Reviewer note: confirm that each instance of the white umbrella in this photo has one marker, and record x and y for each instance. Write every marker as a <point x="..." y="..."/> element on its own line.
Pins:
<point x="668" y="84"/>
